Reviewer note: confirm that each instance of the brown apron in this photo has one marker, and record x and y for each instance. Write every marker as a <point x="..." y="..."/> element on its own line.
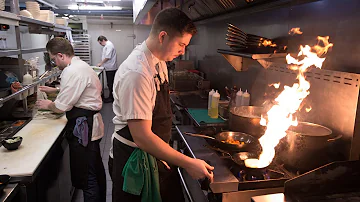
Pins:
<point x="170" y="187"/>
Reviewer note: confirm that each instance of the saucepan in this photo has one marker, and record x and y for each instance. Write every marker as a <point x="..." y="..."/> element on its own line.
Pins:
<point x="305" y="146"/>
<point x="231" y="141"/>
<point x="247" y="119"/>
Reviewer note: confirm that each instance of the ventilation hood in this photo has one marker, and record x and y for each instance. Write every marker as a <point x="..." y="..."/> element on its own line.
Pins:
<point x="144" y="11"/>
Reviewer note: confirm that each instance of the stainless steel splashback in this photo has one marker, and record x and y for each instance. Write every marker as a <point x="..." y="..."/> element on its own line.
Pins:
<point x="333" y="100"/>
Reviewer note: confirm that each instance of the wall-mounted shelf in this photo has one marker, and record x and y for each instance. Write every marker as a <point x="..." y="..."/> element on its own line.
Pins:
<point x="9" y="18"/>
<point x="237" y="58"/>
<point x="9" y="52"/>
<point x="33" y="50"/>
<point x="30" y="21"/>
<point x="39" y="27"/>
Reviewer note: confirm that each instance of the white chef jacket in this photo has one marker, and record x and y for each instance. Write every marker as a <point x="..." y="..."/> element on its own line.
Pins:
<point x="109" y="52"/>
<point x="135" y="87"/>
<point x="80" y="87"/>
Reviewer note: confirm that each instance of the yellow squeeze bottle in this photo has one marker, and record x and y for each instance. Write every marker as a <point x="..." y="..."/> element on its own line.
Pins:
<point x="214" y="111"/>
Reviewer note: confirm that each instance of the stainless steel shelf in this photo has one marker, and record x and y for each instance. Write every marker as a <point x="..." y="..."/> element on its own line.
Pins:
<point x="9" y="18"/>
<point x="26" y="88"/>
<point x="237" y="58"/>
<point x="9" y="52"/>
<point x="33" y="50"/>
<point x="29" y="21"/>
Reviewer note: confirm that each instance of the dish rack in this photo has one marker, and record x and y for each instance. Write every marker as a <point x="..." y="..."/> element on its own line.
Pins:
<point x="82" y="47"/>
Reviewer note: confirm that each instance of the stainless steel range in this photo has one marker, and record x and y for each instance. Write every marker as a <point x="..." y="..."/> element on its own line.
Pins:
<point x="235" y="183"/>
<point x="232" y="182"/>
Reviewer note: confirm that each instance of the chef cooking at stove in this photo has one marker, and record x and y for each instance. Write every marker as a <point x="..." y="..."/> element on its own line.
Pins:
<point x="143" y="117"/>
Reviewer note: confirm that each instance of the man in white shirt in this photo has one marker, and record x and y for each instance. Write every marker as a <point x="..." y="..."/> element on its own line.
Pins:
<point x="143" y="113"/>
<point x="80" y="98"/>
<point x="108" y="61"/>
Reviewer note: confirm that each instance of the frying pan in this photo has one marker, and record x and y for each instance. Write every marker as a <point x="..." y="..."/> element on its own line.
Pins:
<point x="221" y="140"/>
<point x="236" y="157"/>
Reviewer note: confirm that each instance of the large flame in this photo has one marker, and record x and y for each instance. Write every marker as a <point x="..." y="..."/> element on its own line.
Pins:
<point x="281" y="116"/>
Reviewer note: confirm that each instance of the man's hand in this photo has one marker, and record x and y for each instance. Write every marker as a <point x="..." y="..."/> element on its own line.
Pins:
<point x="99" y="65"/>
<point x="199" y="169"/>
<point x="43" y="104"/>
<point x="15" y="87"/>
<point x="47" y="89"/>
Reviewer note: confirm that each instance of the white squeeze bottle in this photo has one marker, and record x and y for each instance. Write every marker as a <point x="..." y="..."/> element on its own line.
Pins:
<point x="238" y="98"/>
<point x="215" y="105"/>
<point x="245" y="99"/>
<point x="209" y="102"/>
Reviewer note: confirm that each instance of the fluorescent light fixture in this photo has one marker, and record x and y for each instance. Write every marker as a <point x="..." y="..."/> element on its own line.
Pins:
<point x="65" y="17"/>
<point x="118" y="30"/>
<point x="56" y="14"/>
<point x="90" y="7"/>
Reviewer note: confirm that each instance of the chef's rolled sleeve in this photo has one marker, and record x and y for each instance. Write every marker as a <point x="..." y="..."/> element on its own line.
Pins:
<point x="136" y="97"/>
<point x="70" y="92"/>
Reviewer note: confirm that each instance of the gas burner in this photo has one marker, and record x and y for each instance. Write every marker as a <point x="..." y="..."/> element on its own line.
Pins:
<point x="253" y="175"/>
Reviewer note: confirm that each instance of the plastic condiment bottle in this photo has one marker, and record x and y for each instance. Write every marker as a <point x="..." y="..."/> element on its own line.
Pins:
<point x="238" y="98"/>
<point x="209" y="101"/>
<point x="215" y="105"/>
<point x="27" y="79"/>
<point x="245" y="99"/>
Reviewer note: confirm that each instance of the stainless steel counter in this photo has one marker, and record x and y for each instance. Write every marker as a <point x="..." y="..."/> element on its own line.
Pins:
<point x="224" y="180"/>
<point x="9" y="192"/>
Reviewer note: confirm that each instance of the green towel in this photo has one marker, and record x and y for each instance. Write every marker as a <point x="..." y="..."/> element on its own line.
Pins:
<point x="141" y="176"/>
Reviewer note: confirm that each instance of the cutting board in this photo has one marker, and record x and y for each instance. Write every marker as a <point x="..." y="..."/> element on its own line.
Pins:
<point x="201" y="116"/>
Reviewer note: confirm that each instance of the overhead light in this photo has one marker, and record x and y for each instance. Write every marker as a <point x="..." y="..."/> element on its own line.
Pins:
<point x="118" y="30"/>
<point x="56" y="14"/>
<point x="65" y="17"/>
<point x="90" y="7"/>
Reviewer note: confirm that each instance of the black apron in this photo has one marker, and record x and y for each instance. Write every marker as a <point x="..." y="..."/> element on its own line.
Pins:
<point x="170" y="187"/>
<point x="78" y="153"/>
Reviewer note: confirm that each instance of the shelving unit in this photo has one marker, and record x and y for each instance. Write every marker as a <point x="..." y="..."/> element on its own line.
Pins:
<point x="238" y="58"/>
<point x="82" y="47"/>
<point x="35" y="27"/>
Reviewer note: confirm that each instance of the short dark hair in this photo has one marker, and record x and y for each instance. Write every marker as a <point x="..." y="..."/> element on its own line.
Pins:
<point x="102" y="38"/>
<point x="60" y="45"/>
<point x="174" y="22"/>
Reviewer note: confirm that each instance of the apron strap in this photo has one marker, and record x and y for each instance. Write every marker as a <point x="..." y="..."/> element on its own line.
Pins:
<point x="125" y="141"/>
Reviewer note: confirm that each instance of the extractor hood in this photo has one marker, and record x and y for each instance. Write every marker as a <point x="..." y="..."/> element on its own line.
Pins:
<point x="144" y="11"/>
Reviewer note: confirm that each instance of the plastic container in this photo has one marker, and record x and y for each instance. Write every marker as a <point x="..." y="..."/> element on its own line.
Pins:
<point x="209" y="100"/>
<point x="245" y="99"/>
<point x="238" y="99"/>
<point x="27" y="79"/>
<point x="215" y="105"/>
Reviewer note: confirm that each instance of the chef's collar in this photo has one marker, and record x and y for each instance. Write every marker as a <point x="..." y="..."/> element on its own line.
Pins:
<point x="154" y="59"/>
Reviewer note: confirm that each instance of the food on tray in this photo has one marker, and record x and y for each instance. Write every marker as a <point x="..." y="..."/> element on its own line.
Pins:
<point x="233" y="141"/>
<point x="19" y="123"/>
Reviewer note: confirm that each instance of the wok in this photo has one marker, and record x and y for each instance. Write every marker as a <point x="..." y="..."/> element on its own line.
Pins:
<point x="223" y="140"/>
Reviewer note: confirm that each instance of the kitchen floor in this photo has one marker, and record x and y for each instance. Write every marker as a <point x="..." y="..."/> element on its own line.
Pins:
<point x="105" y="144"/>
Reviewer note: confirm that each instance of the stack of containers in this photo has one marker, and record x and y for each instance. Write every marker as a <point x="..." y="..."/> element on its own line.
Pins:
<point x="33" y="8"/>
<point x="61" y="21"/>
<point x="47" y="16"/>
<point x="2" y="5"/>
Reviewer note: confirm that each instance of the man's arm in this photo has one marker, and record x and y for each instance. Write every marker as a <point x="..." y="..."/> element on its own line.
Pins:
<point x="152" y="144"/>
<point x="49" y="105"/>
<point x="103" y="61"/>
